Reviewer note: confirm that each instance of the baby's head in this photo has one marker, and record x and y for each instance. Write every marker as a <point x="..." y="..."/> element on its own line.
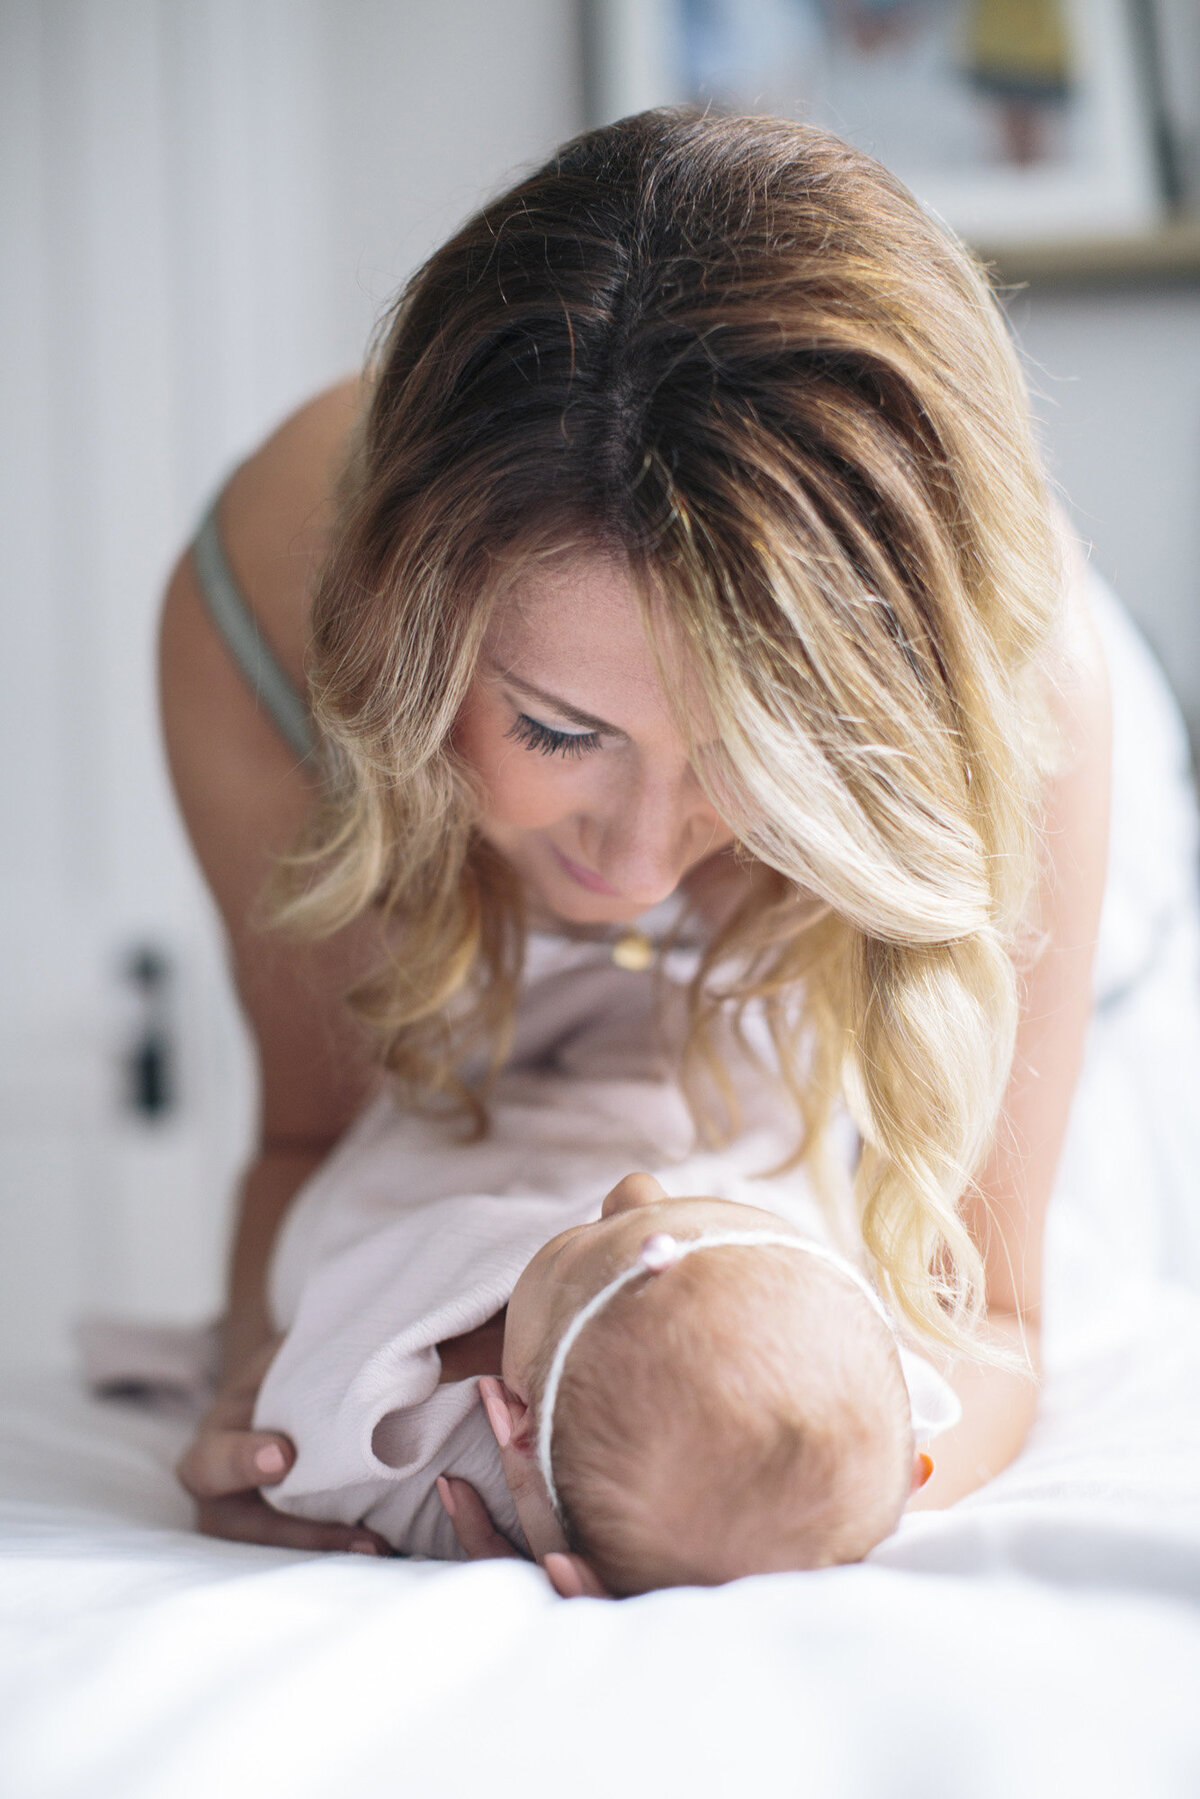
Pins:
<point x="701" y="1414"/>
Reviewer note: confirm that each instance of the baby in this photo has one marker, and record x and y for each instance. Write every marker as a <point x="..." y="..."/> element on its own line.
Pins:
<point x="689" y="1389"/>
<point x="692" y="1391"/>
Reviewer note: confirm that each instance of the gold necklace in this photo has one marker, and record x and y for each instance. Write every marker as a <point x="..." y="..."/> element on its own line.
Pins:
<point x="633" y="950"/>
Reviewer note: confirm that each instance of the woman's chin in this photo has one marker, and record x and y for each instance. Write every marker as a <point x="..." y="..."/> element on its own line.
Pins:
<point x="555" y="894"/>
<point x="568" y="902"/>
<point x="578" y="907"/>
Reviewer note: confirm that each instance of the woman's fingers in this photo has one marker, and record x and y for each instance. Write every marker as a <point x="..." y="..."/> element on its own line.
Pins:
<point x="247" y="1518"/>
<point x="221" y="1461"/>
<point x="227" y="1463"/>
<point x="473" y="1526"/>
<point x="226" y="1456"/>
<point x="573" y="1578"/>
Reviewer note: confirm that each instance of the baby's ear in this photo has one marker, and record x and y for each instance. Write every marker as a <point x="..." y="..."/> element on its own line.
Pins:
<point x="574" y="1578"/>
<point x="512" y="1425"/>
<point x="510" y="1416"/>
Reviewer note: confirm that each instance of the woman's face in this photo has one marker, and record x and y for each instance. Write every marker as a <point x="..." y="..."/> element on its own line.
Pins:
<point x="588" y="788"/>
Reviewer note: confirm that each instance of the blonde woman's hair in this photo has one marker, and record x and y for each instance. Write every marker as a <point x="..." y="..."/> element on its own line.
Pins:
<point x="736" y="354"/>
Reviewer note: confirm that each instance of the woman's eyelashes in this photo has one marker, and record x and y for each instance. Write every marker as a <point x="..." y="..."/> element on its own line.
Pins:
<point x="536" y="736"/>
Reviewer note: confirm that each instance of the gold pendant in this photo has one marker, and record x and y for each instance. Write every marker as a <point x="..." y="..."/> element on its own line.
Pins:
<point x="633" y="951"/>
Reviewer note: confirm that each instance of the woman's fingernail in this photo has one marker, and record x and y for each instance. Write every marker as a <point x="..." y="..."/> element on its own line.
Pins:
<point x="364" y="1546"/>
<point x="270" y="1459"/>
<point x="446" y="1495"/>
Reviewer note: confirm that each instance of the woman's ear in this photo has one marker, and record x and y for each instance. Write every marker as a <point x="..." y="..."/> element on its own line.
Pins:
<point x="574" y="1578"/>
<point x="922" y="1469"/>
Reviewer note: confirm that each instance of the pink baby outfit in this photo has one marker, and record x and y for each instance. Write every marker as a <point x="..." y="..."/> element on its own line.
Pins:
<point x="407" y="1237"/>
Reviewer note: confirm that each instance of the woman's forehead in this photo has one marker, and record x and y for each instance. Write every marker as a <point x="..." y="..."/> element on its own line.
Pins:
<point x="553" y="607"/>
<point x="575" y="626"/>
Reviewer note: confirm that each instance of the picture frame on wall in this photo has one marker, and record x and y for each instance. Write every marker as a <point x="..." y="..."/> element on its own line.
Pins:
<point x="1172" y="37"/>
<point x="1017" y="121"/>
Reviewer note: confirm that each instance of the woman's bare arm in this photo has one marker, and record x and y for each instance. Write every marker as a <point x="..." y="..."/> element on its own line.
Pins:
<point x="244" y="798"/>
<point x="1007" y="1214"/>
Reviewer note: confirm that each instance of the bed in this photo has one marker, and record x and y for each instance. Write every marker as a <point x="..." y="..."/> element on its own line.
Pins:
<point x="1043" y="1637"/>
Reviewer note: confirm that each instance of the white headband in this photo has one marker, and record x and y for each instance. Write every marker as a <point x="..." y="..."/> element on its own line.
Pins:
<point x="663" y="1251"/>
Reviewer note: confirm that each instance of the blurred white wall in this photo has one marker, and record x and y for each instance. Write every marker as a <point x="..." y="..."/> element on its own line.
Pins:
<point x="203" y="205"/>
<point x="432" y="105"/>
<point x="1116" y="375"/>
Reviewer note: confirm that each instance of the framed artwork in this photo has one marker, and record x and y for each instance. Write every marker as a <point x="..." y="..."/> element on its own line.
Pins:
<point x="1172" y="35"/>
<point x="1014" y="120"/>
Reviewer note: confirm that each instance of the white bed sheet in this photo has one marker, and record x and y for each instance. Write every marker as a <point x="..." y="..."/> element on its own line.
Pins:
<point x="1041" y="1638"/>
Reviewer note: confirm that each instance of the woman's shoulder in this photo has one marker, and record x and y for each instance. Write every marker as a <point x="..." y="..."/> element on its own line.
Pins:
<point x="1075" y="655"/>
<point x="277" y="510"/>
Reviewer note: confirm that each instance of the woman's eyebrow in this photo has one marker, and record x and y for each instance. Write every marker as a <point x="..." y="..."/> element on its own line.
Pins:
<point x="563" y="707"/>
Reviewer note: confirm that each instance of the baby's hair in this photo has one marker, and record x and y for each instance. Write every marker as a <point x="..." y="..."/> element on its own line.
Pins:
<point x="747" y="1414"/>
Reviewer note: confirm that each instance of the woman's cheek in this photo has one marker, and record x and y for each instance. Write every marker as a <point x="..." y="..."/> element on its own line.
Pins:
<point x="528" y="792"/>
<point x="523" y="790"/>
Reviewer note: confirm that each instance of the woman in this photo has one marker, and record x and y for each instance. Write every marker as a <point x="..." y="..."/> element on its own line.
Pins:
<point x="683" y="543"/>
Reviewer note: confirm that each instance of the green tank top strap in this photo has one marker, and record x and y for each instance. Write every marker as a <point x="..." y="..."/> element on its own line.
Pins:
<point x="259" y="666"/>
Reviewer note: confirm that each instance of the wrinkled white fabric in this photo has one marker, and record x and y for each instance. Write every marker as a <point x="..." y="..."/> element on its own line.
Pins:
<point x="406" y="1239"/>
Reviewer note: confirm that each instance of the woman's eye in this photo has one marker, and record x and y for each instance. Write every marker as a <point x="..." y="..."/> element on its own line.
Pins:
<point x="540" y="737"/>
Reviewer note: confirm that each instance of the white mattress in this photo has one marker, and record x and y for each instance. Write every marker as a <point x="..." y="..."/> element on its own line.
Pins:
<point x="1042" y="1638"/>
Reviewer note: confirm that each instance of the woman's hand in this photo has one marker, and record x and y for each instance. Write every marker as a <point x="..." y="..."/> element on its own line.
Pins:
<point x="479" y="1539"/>
<point x="510" y="1419"/>
<point x="228" y="1462"/>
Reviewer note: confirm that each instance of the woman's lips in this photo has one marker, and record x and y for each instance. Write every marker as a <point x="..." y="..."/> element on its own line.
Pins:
<point x="586" y="878"/>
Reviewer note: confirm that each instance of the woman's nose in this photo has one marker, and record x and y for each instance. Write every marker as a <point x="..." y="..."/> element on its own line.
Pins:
<point x="630" y="1194"/>
<point x="658" y="828"/>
